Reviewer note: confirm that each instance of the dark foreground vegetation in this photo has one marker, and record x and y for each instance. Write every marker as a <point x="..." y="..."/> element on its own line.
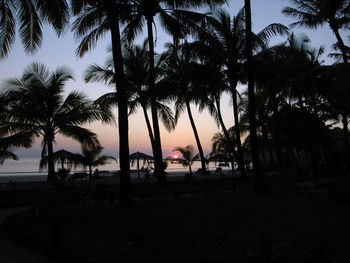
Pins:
<point x="213" y="220"/>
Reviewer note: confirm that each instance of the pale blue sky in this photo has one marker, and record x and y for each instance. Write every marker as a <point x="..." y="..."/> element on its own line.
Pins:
<point x="61" y="51"/>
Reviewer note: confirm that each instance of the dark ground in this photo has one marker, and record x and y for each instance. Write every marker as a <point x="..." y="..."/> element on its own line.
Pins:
<point x="198" y="222"/>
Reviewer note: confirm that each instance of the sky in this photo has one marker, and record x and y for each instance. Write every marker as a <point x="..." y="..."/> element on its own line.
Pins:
<point x="56" y="52"/>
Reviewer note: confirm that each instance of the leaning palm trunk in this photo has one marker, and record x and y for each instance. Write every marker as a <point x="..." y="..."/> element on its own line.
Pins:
<point x="240" y="159"/>
<point x="259" y="184"/>
<point x="158" y="156"/>
<point x="199" y="146"/>
<point x="227" y="136"/>
<point x="344" y="116"/>
<point x="125" y="184"/>
<point x="149" y="127"/>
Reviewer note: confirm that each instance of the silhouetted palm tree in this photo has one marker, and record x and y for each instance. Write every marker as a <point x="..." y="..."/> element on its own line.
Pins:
<point x="174" y="17"/>
<point x="37" y="107"/>
<point x="259" y="183"/>
<point x="29" y="17"/>
<point x="225" y="37"/>
<point x="335" y="13"/>
<point x="10" y="142"/>
<point x="136" y="74"/>
<point x="222" y="147"/>
<point x="187" y="156"/>
<point x="94" y="19"/>
<point x="180" y="72"/>
<point x="90" y="157"/>
<point x="314" y="13"/>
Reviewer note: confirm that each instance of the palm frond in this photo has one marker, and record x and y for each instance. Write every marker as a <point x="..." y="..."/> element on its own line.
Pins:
<point x="90" y="39"/>
<point x="7" y="28"/>
<point x="97" y="73"/>
<point x="29" y="26"/>
<point x="166" y="115"/>
<point x="80" y="134"/>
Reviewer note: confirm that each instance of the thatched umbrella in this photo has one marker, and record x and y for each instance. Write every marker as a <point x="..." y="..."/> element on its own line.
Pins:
<point x="62" y="156"/>
<point x="140" y="156"/>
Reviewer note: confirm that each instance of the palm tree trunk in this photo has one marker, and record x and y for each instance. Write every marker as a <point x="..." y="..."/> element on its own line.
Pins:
<point x="240" y="158"/>
<point x="90" y="175"/>
<point x="341" y="45"/>
<point x="259" y="184"/>
<point x="149" y="127"/>
<point x="199" y="146"/>
<point x="276" y="136"/>
<point x="346" y="140"/>
<point x="50" y="162"/>
<point x="158" y="156"/>
<point x="268" y="144"/>
<point x="294" y="158"/>
<point x="232" y="147"/>
<point x="344" y="116"/>
<point x="125" y="184"/>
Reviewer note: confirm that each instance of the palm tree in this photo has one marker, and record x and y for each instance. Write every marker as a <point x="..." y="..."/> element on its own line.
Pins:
<point x="225" y="37"/>
<point x="29" y="17"/>
<point x="9" y="143"/>
<point x="180" y="73"/>
<point x="259" y="183"/>
<point x="335" y="13"/>
<point x="187" y="156"/>
<point x="91" y="157"/>
<point x="174" y="16"/>
<point x="222" y="147"/>
<point x="136" y="71"/>
<point x="37" y="107"/>
<point x="314" y="13"/>
<point x="94" y="19"/>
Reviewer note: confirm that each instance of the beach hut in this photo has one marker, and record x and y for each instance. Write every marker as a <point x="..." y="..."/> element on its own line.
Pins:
<point x="137" y="156"/>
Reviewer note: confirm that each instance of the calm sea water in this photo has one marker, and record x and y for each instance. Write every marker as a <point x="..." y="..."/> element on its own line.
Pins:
<point x="29" y="167"/>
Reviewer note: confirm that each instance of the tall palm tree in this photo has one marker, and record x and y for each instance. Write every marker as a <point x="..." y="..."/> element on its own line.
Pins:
<point x="174" y="16"/>
<point x="259" y="183"/>
<point x="37" y="107"/>
<point x="94" y="19"/>
<point x="335" y="13"/>
<point x="282" y="72"/>
<point x="29" y="17"/>
<point x="136" y="74"/>
<point x="180" y="72"/>
<point x="314" y="13"/>
<point x="225" y="37"/>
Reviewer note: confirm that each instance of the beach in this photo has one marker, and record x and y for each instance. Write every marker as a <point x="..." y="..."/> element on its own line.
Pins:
<point x="26" y="170"/>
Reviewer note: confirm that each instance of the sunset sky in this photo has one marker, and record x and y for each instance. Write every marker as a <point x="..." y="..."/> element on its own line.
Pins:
<point x="57" y="52"/>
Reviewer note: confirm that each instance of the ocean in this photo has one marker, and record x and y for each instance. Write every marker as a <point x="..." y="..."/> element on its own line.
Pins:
<point x="27" y="169"/>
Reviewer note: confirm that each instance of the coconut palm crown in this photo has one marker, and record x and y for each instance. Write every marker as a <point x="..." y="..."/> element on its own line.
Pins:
<point x="37" y="106"/>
